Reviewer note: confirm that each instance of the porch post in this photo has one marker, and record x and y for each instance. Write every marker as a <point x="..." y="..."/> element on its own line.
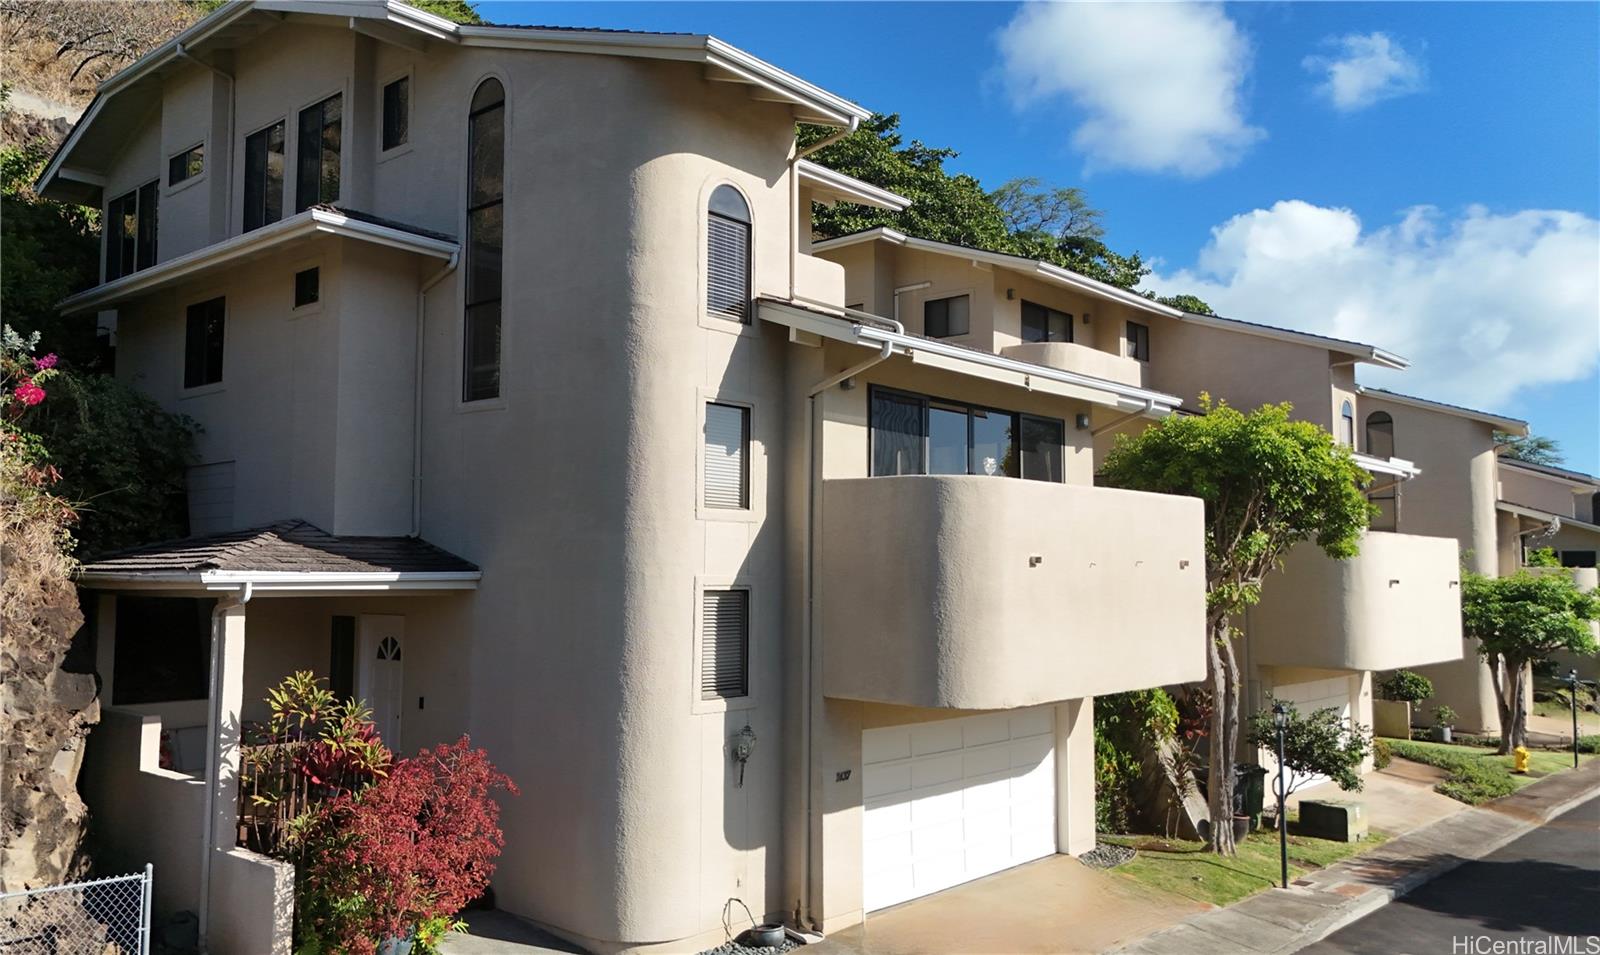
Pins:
<point x="224" y="737"/>
<point x="1075" y="776"/>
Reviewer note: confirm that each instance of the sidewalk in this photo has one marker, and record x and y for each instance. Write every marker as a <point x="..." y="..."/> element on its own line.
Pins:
<point x="1284" y="921"/>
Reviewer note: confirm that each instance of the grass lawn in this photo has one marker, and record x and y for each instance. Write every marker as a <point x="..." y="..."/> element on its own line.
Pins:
<point x="1477" y="774"/>
<point x="1186" y="869"/>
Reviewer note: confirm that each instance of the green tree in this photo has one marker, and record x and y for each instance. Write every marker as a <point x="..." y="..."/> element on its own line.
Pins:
<point x="1528" y="448"/>
<point x="1406" y="686"/>
<point x="1060" y="212"/>
<point x="1518" y="620"/>
<point x="1268" y="483"/>
<point x="1314" y="744"/>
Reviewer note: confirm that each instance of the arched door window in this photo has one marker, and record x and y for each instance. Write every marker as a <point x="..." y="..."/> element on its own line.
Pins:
<point x="486" y="147"/>
<point x="728" y="255"/>
<point x="1380" y="434"/>
<point x="1347" y="425"/>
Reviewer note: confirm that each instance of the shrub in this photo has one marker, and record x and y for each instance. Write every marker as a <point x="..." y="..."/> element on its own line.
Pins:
<point x="1589" y="744"/>
<point x="1406" y="687"/>
<point x="1444" y="716"/>
<point x="1476" y="783"/>
<point x="1318" y="744"/>
<point x="1381" y="753"/>
<point x="1122" y="721"/>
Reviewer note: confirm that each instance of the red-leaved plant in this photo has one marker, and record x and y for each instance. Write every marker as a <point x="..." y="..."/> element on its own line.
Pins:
<point x="415" y="847"/>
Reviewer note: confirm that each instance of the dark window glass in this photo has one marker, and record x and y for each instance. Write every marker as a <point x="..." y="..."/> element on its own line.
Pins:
<point x="307" y="287"/>
<point x="396" y="113"/>
<point x="1380" y="434"/>
<point x="992" y="450"/>
<point x="186" y="165"/>
<point x="263" y="177"/>
<point x="946" y="317"/>
<point x="897" y="434"/>
<point x="947" y="439"/>
<point x="342" y="658"/>
<point x="1387" y="502"/>
<point x="1577" y="558"/>
<point x="113" y="229"/>
<point x="485" y="241"/>
<point x="1347" y="426"/>
<point x="317" y="169"/>
<point x="1041" y="324"/>
<point x="146" y="228"/>
<point x="163" y="650"/>
<point x="1139" y="341"/>
<point x="1043" y="448"/>
<point x="130" y="231"/>
<point x="202" y="346"/>
<point x="728" y="255"/>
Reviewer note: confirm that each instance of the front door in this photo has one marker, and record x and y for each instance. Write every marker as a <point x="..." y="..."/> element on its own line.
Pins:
<point x="379" y="676"/>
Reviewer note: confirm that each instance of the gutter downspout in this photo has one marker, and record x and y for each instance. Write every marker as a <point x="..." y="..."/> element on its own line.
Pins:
<point x="227" y="209"/>
<point x="416" y="399"/>
<point x="794" y="195"/>
<point x="1148" y="409"/>
<point x="213" y="718"/>
<point x="808" y="754"/>
<point x="914" y="287"/>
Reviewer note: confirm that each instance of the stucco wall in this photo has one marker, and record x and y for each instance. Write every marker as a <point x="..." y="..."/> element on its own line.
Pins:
<point x="1396" y="604"/>
<point x="988" y="593"/>
<point x="1538" y="491"/>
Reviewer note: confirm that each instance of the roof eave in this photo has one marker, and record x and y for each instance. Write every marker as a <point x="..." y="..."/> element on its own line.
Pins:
<point x="850" y="188"/>
<point x="1514" y="426"/>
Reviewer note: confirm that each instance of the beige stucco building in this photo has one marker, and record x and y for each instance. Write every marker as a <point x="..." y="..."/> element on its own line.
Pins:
<point x="529" y="414"/>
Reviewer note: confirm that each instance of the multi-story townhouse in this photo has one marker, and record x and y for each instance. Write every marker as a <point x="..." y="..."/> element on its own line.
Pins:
<point x="1323" y="626"/>
<point x="528" y="414"/>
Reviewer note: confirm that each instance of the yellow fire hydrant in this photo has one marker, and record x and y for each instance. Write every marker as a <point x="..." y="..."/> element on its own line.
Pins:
<point x="1519" y="759"/>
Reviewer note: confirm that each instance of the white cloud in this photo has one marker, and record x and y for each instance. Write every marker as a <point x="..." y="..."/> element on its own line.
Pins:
<point x="1365" y="69"/>
<point x="1483" y="304"/>
<point x="1159" y="82"/>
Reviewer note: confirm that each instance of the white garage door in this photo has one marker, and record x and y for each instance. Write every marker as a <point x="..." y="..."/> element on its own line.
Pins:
<point x="952" y="800"/>
<point x="1332" y="693"/>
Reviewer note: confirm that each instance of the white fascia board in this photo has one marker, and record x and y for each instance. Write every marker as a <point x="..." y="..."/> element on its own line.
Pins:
<point x="284" y="582"/>
<point x="310" y="222"/>
<point x="1546" y="516"/>
<point x="1368" y="354"/>
<point x="1394" y="467"/>
<point x="849" y="188"/>
<point x="1514" y="426"/>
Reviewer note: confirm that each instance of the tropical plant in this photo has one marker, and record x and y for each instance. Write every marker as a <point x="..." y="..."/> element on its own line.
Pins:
<point x="1319" y="743"/>
<point x="1444" y="716"/>
<point x="1406" y="686"/>
<point x="1123" y="723"/>
<point x="1516" y="620"/>
<point x="1268" y="483"/>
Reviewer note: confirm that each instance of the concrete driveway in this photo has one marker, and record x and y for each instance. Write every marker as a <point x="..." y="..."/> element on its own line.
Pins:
<point x="1054" y="905"/>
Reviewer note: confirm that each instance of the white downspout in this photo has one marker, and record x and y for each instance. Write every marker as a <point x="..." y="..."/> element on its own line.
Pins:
<point x="416" y="399"/>
<point x="213" y="719"/>
<point x="227" y="210"/>
<point x="794" y="195"/>
<point x="808" y="751"/>
<point x="914" y="287"/>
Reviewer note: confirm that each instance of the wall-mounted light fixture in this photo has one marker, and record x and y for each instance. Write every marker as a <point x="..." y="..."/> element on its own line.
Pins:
<point x="744" y="744"/>
<point x="1011" y="293"/>
<point x="1087" y="318"/>
<point x="1082" y="421"/>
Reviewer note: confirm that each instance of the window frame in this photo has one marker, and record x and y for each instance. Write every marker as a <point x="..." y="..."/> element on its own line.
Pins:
<point x="299" y="186"/>
<point x="1048" y="313"/>
<point x="408" y="75"/>
<point x="137" y="248"/>
<point x="496" y="401"/>
<point x="926" y="400"/>
<point x="1347" y="424"/>
<point x="710" y="512"/>
<point x="173" y="187"/>
<point x="244" y="176"/>
<point x="187" y="390"/>
<point x="719" y="320"/>
<point x="753" y="694"/>
<point x="296" y="304"/>
<point x="926" y="302"/>
<point x="1136" y="343"/>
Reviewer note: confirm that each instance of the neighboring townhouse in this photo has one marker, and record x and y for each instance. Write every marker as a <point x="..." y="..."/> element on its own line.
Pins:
<point x="1543" y="506"/>
<point x="528" y="414"/>
<point x="1323" y="626"/>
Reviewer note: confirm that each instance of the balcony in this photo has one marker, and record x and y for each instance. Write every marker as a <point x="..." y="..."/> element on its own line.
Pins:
<point x="819" y="280"/>
<point x="1081" y="359"/>
<point x="1396" y="604"/>
<point x="986" y="593"/>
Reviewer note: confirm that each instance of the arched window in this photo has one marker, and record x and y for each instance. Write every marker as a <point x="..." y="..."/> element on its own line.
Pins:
<point x="728" y="255"/>
<point x="1347" y="425"/>
<point x="486" y="159"/>
<point x="1380" y="434"/>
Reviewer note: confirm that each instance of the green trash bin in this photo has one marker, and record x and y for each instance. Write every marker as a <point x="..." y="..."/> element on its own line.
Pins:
<point x="1249" y="791"/>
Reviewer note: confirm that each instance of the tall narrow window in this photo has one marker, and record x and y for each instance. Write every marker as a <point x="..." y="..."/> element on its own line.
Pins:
<point x="1347" y="425"/>
<point x="1380" y="434"/>
<point x="130" y="231"/>
<point x="728" y="256"/>
<point x="724" y="644"/>
<point x="486" y="131"/>
<point x="263" y="177"/>
<point x="202" y="343"/>
<point x="727" y="459"/>
<point x="1138" y="341"/>
<point x="397" y="113"/>
<point x="316" y="177"/>
<point x="342" y="658"/>
<point x="1041" y="324"/>
<point x="947" y="317"/>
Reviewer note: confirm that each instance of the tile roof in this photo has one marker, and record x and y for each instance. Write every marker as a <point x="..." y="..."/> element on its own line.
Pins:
<point x="293" y="546"/>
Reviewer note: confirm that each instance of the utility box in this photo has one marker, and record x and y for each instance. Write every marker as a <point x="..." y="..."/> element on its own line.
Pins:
<point x="1339" y="821"/>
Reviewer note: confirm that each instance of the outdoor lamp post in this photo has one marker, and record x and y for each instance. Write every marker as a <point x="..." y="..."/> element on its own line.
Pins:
<point x="1280" y="723"/>
<point x="1572" y="681"/>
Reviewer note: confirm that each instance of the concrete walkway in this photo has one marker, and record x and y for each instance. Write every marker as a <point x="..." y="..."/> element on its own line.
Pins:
<point x="501" y="933"/>
<point x="1281" y="921"/>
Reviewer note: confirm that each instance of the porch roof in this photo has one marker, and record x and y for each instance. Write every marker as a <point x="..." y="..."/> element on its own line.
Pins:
<point x="289" y="556"/>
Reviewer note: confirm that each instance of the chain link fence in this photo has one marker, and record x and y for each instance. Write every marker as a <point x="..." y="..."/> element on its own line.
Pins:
<point x="99" y="917"/>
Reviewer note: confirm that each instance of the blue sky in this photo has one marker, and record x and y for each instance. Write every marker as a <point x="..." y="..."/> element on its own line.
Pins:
<point x="1424" y="176"/>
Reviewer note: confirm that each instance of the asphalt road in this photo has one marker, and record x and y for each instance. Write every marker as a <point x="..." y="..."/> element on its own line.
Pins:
<point x="1545" y="884"/>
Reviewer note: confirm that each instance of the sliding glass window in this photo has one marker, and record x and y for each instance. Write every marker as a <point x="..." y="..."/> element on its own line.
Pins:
<point x="915" y="434"/>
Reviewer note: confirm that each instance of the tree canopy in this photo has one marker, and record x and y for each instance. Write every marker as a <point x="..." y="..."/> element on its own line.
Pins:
<point x="1528" y="448"/>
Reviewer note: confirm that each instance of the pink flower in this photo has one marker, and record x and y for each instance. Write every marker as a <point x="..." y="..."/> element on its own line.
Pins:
<point x="29" y="393"/>
<point x="48" y="361"/>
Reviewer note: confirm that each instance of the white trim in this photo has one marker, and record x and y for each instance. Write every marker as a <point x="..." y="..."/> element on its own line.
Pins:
<point x="698" y="704"/>
<point x="269" y="237"/>
<point x="837" y="185"/>
<point x="969" y="361"/>
<point x="1515" y="426"/>
<point x="266" y="582"/>
<point x="1535" y="514"/>
<point x="1395" y="467"/>
<point x="1370" y="354"/>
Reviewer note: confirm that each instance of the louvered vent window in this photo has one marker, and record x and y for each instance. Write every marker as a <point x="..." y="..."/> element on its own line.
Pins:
<point x="728" y="257"/>
<point x="724" y="644"/>
<point x="727" y="471"/>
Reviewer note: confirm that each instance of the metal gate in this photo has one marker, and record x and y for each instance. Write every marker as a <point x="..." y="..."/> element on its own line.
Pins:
<point x="99" y="917"/>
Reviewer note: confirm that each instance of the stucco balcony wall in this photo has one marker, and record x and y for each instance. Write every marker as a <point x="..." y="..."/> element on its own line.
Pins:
<point x="986" y="593"/>
<point x="1082" y="359"/>
<point x="1396" y="604"/>
<point x="819" y="280"/>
